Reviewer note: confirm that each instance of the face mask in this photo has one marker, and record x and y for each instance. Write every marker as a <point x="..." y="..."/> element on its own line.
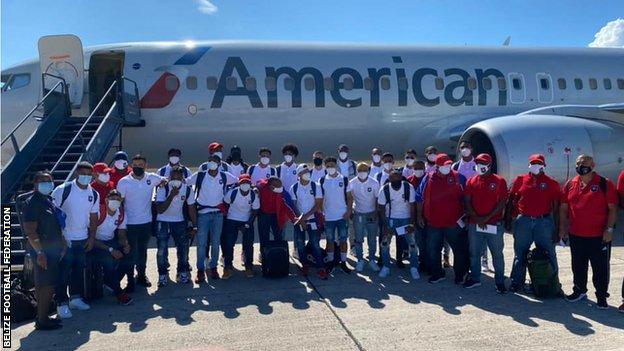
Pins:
<point x="121" y="164"/>
<point x="212" y="165"/>
<point x="419" y="173"/>
<point x="114" y="204"/>
<point x="395" y="184"/>
<point x="583" y="170"/>
<point x="245" y="187"/>
<point x="431" y="157"/>
<point x="331" y="170"/>
<point x="305" y="177"/>
<point x="535" y="168"/>
<point x="387" y="166"/>
<point x="465" y="152"/>
<point x="376" y="158"/>
<point x="138" y="171"/>
<point x="409" y="161"/>
<point x="482" y="169"/>
<point x="265" y="160"/>
<point x="288" y="158"/>
<point x="343" y="155"/>
<point x="104" y="177"/>
<point x="45" y="188"/>
<point x="317" y="161"/>
<point x="278" y="190"/>
<point x="174" y="160"/>
<point x="176" y="183"/>
<point x="445" y="169"/>
<point x="218" y="153"/>
<point x="362" y="175"/>
<point x="84" y="179"/>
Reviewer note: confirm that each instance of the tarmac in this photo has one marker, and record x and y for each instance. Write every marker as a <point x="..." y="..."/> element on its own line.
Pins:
<point x="346" y="312"/>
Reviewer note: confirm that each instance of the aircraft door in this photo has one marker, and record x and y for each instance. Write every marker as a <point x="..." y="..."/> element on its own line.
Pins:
<point x="62" y="56"/>
<point x="105" y="67"/>
<point x="516" y="88"/>
<point x="544" y="88"/>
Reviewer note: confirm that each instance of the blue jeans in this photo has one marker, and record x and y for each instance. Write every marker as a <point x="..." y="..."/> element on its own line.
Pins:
<point x="394" y="223"/>
<point x="421" y="242"/>
<point x="72" y="272"/>
<point x="458" y="240"/>
<point x="495" y="243"/>
<point x="313" y="237"/>
<point x="365" y="224"/>
<point x="231" y="230"/>
<point x="110" y="266"/>
<point x="526" y="231"/>
<point x="181" y="239"/>
<point x="209" y="227"/>
<point x="336" y="231"/>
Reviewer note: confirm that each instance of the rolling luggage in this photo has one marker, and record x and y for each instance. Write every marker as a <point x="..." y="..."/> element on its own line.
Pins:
<point x="275" y="259"/>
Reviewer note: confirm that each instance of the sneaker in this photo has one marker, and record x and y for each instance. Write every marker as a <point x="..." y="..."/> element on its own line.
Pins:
<point x="446" y="263"/>
<point x="384" y="272"/>
<point x="469" y="284"/>
<point x="602" y="303"/>
<point x="47" y="325"/>
<point x="501" y="289"/>
<point x="621" y="308"/>
<point x="162" y="280"/>
<point x="79" y="304"/>
<point x="227" y="274"/>
<point x="515" y="288"/>
<point x="249" y="272"/>
<point x="435" y="280"/>
<point x="200" y="278"/>
<point x="575" y="296"/>
<point x="305" y="270"/>
<point x="345" y="268"/>
<point x="359" y="266"/>
<point x="414" y="273"/>
<point x="143" y="281"/>
<point x="373" y="266"/>
<point x="124" y="299"/>
<point x="322" y="274"/>
<point x="214" y="274"/>
<point x="184" y="278"/>
<point x="63" y="311"/>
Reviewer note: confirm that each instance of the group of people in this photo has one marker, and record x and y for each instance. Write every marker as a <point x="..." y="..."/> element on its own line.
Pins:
<point x="108" y="213"/>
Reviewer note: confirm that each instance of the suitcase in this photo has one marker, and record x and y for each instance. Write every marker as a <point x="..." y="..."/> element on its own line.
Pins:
<point x="93" y="280"/>
<point x="275" y="259"/>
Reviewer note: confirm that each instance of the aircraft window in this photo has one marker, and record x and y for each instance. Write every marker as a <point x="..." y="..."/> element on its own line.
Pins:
<point x="607" y="83"/>
<point x="502" y="84"/>
<point x="368" y="83"/>
<point x="578" y="83"/>
<point x="212" y="83"/>
<point x="517" y="84"/>
<point x="385" y="83"/>
<point x="250" y="83"/>
<point x="487" y="83"/>
<point x="472" y="83"/>
<point x="620" y="84"/>
<point x="230" y="83"/>
<point x="347" y="83"/>
<point x="593" y="84"/>
<point x="171" y="83"/>
<point x="289" y="84"/>
<point x="191" y="82"/>
<point x="544" y="84"/>
<point x="439" y="83"/>
<point x="328" y="83"/>
<point x="561" y="82"/>
<point x="18" y="81"/>
<point x="309" y="83"/>
<point x="402" y="83"/>
<point x="270" y="84"/>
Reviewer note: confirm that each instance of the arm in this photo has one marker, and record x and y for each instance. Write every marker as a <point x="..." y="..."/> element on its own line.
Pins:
<point x="563" y="221"/>
<point x="122" y="238"/>
<point x="93" y="222"/>
<point x="349" y="212"/>
<point x="162" y="206"/>
<point x="607" y="237"/>
<point x="30" y="228"/>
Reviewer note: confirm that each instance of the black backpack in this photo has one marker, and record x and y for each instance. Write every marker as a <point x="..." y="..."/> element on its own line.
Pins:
<point x="544" y="279"/>
<point x="275" y="259"/>
<point x="185" y="171"/>
<point x="23" y="303"/>
<point x="406" y="195"/>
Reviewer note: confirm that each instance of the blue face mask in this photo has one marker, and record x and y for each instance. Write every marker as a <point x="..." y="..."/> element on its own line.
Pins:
<point x="84" y="179"/>
<point x="45" y="188"/>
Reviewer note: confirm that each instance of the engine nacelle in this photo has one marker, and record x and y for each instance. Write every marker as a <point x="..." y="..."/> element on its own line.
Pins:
<point x="511" y="139"/>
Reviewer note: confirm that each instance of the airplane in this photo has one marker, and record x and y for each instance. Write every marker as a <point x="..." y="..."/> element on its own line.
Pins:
<point x="508" y="101"/>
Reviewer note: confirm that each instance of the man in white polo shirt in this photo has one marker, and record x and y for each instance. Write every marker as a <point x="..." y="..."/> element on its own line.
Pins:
<point x="346" y="166"/>
<point x="387" y="161"/>
<point x="287" y="171"/>
<point x="364" y="190"/>
<point x="210" y="187"/>
<point x="137" y="189"/>
<point x="262" y="170"/>
<point x="81" y="205"/>
<point x="318" y="170"/>
<point x="173" y="155"/>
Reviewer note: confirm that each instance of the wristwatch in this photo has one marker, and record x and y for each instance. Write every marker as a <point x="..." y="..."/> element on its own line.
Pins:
<point x="110" y="249"/>
<point x="610" y="229"/>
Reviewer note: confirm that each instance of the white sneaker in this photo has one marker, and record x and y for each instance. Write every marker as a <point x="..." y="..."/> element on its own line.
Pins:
<point x="373" y="266"/>
<point x="414" y="273"/>
<point x="63" y="311"/>
<point x="485" y="267"/>
<point x="359" y="266"/>
<point x="385" y="271"/>
<point x="79" y="304"/>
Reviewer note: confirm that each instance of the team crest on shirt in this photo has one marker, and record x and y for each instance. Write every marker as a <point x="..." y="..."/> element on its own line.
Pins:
<point x="543" y="186"/>
<point x="295" y="172"/>
<point x="369" y="189"/>
<point x="220" y="181"/>
<point x="90" y="198"/>
<point x="311" y="191"/>
<point x="183" y="198"/>
<point x="340" y="184"/>
<point x="594" y="188"/>
<point x="492" y="186"/>
<point x="149" y="182"/>
<point x="450" y="180"/>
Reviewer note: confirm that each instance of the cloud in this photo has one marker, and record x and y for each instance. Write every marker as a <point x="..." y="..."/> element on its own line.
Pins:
<point x="207" y="7"/>
<point x="611" y="35"/>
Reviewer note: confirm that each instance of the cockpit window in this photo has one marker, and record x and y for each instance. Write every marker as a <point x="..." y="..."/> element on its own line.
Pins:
<point x="15" y="81"/>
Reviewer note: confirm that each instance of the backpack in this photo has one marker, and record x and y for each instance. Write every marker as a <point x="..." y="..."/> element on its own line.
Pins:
<point x="67" y="190"/>
<point x="200" y="179"/>
<point x="344" y="179"/>
<point x="544" y="279"/>
<point x="296" y="187"/>
<point x="275" y="259"/>
<point x="23" y="303"/>
<point x="252" y="168"/>
<point x="235" y="192"/>
<point x="406" y="195"/>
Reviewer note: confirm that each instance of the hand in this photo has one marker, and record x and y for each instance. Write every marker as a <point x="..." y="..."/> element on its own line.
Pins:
<point x="421" y="222"/>
<point x="42" y="260"/>
<point x="174" y="192"/>
<point x="481" y="222"/>
<point x="116" y="254"/>
<point x="298" y="221"/>
<point x="507" y="224"/>
<point x="409" y="229"/>
<point x="347" y="215"/>
<point x="192" y="232"/>
<point x="607" y="236"/>
<point x="563" y="235"/>
<point x="126" y="248"/>
<point x="89" y="244"/>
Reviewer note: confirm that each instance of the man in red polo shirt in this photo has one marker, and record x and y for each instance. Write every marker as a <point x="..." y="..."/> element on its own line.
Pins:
<point x="485" y="198"/>
<point x="533" y="203"/>
<point x="440" y="205"/>
<point x="101" y="182"/>
<point x="620" y="189"/>
<point x="587" y="216"/>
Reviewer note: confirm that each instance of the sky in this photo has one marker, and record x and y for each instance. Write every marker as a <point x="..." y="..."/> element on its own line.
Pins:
<point x="559" y="23"/>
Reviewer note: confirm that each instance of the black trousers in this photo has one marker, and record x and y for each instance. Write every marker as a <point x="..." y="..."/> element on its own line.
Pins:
<point x="138" y="238"/>
<point x="592" y="251"/>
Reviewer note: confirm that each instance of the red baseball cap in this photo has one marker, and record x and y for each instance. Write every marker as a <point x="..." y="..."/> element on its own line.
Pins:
<point x="244" y="178"/>
<point x="101" y="167"/>
<point x="214" y="147"/>
<point x="537" y="158"/>
<point x="485" y="159"/>
<point x="443" y="160"/>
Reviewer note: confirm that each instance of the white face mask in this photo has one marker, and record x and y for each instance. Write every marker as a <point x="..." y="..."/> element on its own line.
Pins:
<point x="218" y="153"/>
<point x="376" y="158"/>
<point x="432" y="157"/>
<point x="121" y="164"/>
<point x="331" y="171"/>
<point x="114" y="204"/>
<point x="278" y="190"/>
<point x="362" y="175"/>
<point x="409" y="161"/>
<point x="245" y="187"/>
<point x="288" y="158"/>
<point x="387" y="166"/>
<point x="212" y="165"/>
<point x="176" y="183"/>
<point x="482" y="169"/>
<point x="265" y="160"/>
<point x="104" y="177"/>
<point x="535" y="168"/>
<point x="445" y="169"/>
<point x="419" y="173"/>
<point x="305" y="176"/>
<point x="465" y="152"/>
<point x="343" y="155"/>
<point x="174" y="160"/>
